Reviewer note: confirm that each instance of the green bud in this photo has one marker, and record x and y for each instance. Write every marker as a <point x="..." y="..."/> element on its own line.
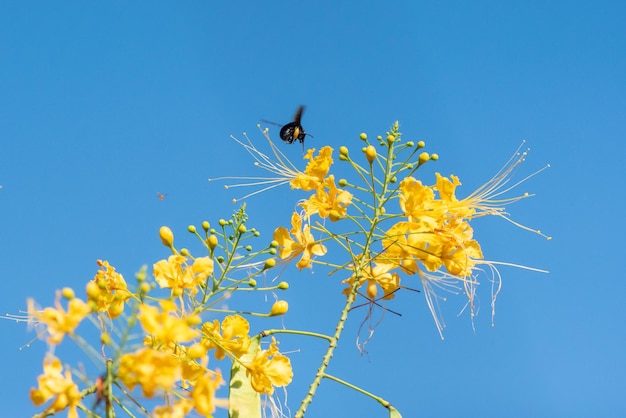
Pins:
<point x="269" y="263"/>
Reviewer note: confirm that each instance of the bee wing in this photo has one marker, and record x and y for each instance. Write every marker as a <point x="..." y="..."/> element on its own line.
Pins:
<point x="298" y="115"/>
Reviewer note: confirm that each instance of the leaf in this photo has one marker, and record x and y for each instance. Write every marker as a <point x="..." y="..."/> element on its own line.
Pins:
<point x="243" y="401"/>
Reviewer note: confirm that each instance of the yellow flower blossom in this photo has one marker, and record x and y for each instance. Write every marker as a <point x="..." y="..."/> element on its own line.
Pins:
<point x="315" y="171"/>
<point x="178" y="409"/>
<point x="203" y="393"/>
<point x="331" y="204"/>
<point x="409" y="244"/>
<point x="284" y="170"/>
<point x="302" y="242"/>
<point x="165" y="327"/>
<point x="269" y="368"/>
<point x="233" y="338"/>
<point x="54" y="384"/>
<point x="174" y="273"/>
<point x="376" y="275"/>
<point x="58" y="321"/>
<point x="108" y="291"/>
<point x="151" y="369"/>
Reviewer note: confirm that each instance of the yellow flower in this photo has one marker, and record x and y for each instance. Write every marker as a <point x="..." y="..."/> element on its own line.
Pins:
<point x="269" y="368"/>
<point x="151" y="369"/>
<point x="233" y="339"/>
<point x="449" y="244"/>
<point x="279" y="165"/>
<point x="175" y="273"/>
<point x="416" y="201"/>
<point x="108" y="291"/>
<point x="437" y="241"/>
<point x="331" y="204"/>
<point x="316" y="170"/>
<point x="178" y="409"/>
<point x="165" y="327"/>
<point x="203" y="393"/>
<point x="54" y="384"/>
<point x="302" y="242"/>
<point x="376" y="275"/>
<point x="58" y="321"/>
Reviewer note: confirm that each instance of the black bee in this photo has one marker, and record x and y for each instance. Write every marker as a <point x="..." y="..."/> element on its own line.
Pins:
<point x="293" y="130"/>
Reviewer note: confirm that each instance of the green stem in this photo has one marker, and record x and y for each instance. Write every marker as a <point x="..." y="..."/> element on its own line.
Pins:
<point x="378" y="399"/>
<point x="331" y="348"/>
<point x="292" y="331"/>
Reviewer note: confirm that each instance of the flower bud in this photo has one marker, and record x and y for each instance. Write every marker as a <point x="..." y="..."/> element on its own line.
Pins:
<point x="242" y="228"/>
<point x="212" y="241"/>
<point x="93" y="290"/>
<point x="370" y="153"/>
<point x="144" y="288"/>
<point x="283" y="285"/>
<point x="423" y="157"/>
<point x="363" y="136"/>
<point x="192" y="229"/>
<point x="167" y="237"/>
<point x="279" y="307"/>
<point x="434" y="157"/>
<point x="391" y="139"/>
<point x="105" y="338"/>
<point x="68" y="293"/>
<point x="269" y="263"/>
<point x="252" y="283"/>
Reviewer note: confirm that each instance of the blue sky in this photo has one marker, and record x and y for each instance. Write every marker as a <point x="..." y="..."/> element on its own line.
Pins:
<point x="104" y="105"/>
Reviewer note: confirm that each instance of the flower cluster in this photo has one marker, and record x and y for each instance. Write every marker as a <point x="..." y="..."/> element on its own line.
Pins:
<point x="180" y="329"/>
<point x="165" y="338"/>
<point x="396" y="223"/>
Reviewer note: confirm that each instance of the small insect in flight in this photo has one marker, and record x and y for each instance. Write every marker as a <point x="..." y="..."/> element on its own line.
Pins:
<point x="161" y="196"/>
<point x="293" y="130"/>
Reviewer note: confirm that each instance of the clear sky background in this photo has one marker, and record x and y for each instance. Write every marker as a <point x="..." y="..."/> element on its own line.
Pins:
<point x="103" y="105"/>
